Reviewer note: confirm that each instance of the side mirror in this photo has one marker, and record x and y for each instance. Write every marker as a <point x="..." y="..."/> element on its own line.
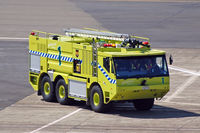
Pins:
<point x="170" y="59"/>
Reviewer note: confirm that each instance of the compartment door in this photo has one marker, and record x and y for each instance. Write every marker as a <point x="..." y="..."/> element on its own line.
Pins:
<point x="77" y="89"/>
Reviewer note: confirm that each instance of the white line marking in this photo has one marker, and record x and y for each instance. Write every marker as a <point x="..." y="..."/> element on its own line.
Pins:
<point x="184" y="70"/>
<point x="193" y="104"/>
<point x="47" y="125"/>
<point x="181" y="88"/>
<point x="12" y="38"/>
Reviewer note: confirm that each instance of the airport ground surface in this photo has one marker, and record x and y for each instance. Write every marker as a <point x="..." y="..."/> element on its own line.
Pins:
<point x="173" y="26"/>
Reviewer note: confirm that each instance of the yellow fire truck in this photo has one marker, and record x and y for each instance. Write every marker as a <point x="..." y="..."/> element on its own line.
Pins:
<point x="98" y="67"/>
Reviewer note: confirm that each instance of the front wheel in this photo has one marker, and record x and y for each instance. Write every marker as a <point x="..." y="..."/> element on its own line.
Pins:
<point x="96" y="100"/>
<point x="143" y="104"/>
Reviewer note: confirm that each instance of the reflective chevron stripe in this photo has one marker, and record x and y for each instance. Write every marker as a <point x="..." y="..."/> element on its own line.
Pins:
<point x="112" y="81"/>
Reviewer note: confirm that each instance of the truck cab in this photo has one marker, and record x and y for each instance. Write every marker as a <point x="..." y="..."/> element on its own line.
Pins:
<point x="133" y="74"/>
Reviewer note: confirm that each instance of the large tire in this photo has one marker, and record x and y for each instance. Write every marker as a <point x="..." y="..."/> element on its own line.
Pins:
<point x="143" y="104"/>
<point x="97" y="100"/>
<point x="62" y="93"/>
<point x="47" y="89"/>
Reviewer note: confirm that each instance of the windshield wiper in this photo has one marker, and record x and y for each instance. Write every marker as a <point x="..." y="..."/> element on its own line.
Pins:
<point x="136" y="76"/>
<point x="149" y="74"/>
<point x="132" y="76"/>
<point x="139" y="76"/>
<point x="125" y="77"/>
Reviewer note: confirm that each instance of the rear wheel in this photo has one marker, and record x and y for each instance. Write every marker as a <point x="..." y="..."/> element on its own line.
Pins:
<point x="62" y="92"/>
<point x="143" y="104"/>
<point x="96" y="100"/>
<point x="47" y="89"/>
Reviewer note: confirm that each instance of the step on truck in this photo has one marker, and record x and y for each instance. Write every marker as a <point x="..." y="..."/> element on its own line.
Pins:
<point x="97" y="67"/>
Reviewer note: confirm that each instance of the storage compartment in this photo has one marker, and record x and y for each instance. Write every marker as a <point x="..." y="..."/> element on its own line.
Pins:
<point x="34" y="63"/>
<point x="77" y="89"/>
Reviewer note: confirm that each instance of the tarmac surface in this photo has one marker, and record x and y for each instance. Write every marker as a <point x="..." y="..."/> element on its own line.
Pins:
<point x="168" y="24"/>
<point x="21" y="110"/>
<point x="13" y="71"/>
<point x="18" y="19"/>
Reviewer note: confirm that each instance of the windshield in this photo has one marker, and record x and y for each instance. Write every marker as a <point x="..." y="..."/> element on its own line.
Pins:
<point x="142" y="66"/>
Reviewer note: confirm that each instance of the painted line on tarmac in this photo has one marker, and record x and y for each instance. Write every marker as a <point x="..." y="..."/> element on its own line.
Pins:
<point x="185" y="84"/>
<point x="184" y="70"/>
<point x="180" y="103"/>
<point x="56" y="121"/>
<point x="12" y="38"/>
<point x="181" y="88"/>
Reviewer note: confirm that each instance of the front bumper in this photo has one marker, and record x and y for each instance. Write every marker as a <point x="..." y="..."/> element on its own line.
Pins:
<point x="140" y="92"/>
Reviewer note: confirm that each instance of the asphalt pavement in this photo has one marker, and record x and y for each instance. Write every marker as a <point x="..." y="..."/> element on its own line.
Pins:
<point x="18" y="19"/>
<point x="173" y="26"/>
<point x="14" y="72"/>
<point x="168" y="24"/>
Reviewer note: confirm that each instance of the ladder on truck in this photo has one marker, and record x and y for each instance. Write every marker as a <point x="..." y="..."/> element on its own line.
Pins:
<point x="94" y="58"/>
<point x="95" y="34"/>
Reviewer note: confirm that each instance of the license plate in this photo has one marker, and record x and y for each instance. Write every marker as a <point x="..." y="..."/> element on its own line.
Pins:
<point x="145" y="87"/>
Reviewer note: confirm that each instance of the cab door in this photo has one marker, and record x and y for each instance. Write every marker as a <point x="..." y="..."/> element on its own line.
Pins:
<point x="106" y="78"/>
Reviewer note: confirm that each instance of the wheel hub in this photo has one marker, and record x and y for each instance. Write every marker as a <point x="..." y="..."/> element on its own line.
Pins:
<point x="47" y="88"/>
<point x="96" y="99"/>
<point x="62" y="91"/>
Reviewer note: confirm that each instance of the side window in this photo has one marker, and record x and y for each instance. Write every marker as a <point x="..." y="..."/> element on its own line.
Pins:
<point x="159" y="61"/>
<point x="161" y="64"/>
<point x="106" y="63"/>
